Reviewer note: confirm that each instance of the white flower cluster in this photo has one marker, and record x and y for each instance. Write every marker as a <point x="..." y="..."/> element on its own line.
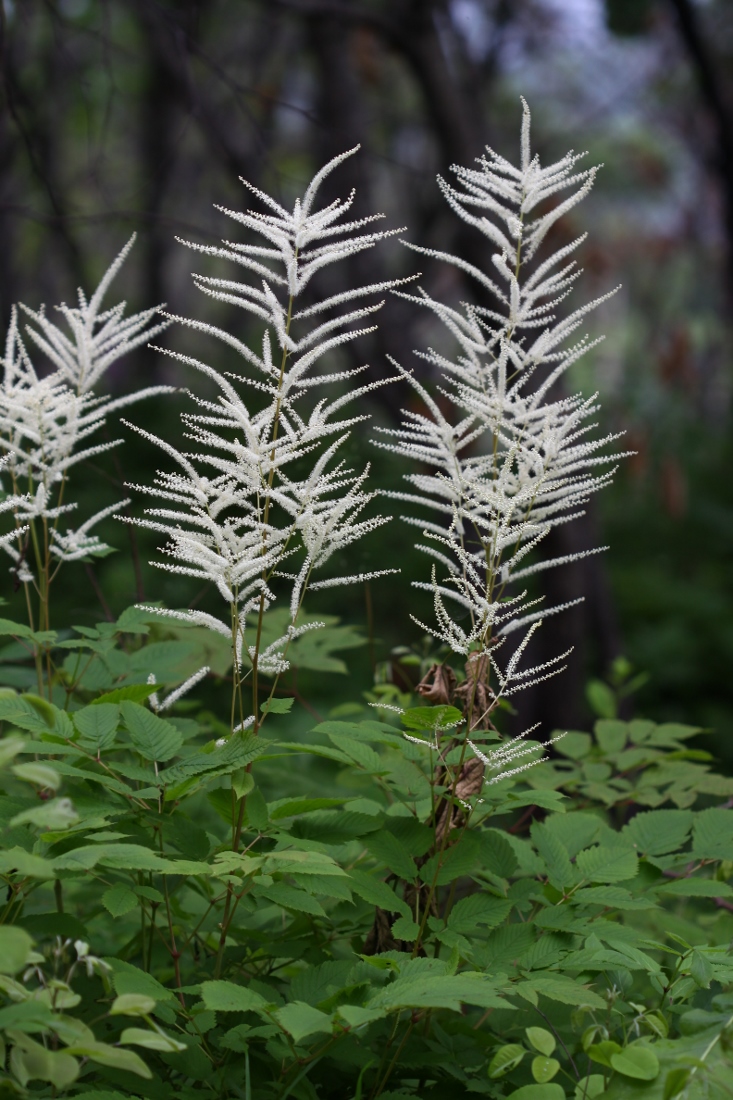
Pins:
<point x="513" y="458"/>
<point x="45" y="422"/>
<point x="243" y="511"/>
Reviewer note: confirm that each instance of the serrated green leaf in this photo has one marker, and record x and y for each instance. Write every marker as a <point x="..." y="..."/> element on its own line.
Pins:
<point x="387" y="849"/>
<point x="291" y="807"/>
<point x="657" y="832"/>
<point x="127" y="978"/>
<point x="432" y="718"/>
<point x="562" y="989"/>
<point x="98" y="724"/>
<point x="153" y="737"/>
<point x="612" y="897"/>
<point x="476" y="910"/>
<point x="604" y="863"/>
<point x="712" y="834"/>
<point x="377" y="892"/>
<point x="220" y="996"/>
<point x="695" y="888"/>
<point x="554" y="855"/>
<point x="290" y="898"/>
<point x="300" y="1020"/>
<point x="134" y="693"/>
<point x="277" y="705"/>
<point x="119" y="899"/>
<point x="361" y="754"/>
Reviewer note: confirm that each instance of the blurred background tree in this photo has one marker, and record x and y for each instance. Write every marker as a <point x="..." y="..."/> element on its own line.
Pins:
<point x="122" y="115"/>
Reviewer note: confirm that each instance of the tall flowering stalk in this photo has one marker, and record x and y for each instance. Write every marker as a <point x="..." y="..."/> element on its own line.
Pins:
<point x="506" y="455"/>
<point x="45" y="424"/>
<point x="264" y="502"/>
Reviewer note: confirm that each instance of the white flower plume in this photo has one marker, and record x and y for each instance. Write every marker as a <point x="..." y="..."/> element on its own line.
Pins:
<point x="263" y="500"/>
<point x="46" y="421"/>
<point x="514" y="457"/>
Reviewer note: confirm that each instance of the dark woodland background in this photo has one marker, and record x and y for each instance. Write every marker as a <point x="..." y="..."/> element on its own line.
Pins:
<point x="139" y="115"/>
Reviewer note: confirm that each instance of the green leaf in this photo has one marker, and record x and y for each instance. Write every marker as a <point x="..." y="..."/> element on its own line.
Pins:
<point x="119" y="899"/>
<point x="538" y="1092"/>
<point x="590" y="1087"/>
<point x="639" y="1062"/>
<point x="601" y="698"/>
<point x="15" y="946"/>
<point x="154" y="738"/>
<point x="607" y="864"/>
<point x="98" y="724"/>
<point x="41" y="775"/>
<point x="355" y="1016"/>
<point x="127" y="978"/>
<point x="700" y="969"/>
<point x="361" y="754"/>
<point x="432" y="718"/>
<point x="612" y="897"/>
<point x="290" y="898"/>
<point x="377" y="892"/>
<point x="33" y="1062"/>
<point x="542" y="1040"/>
<point x="242" y="782"/>
<point x="17" y="860"/>
<point x="132" y="1004"/>
<point x="544" y="1069"/>
<point x="300" y="1020"/>
<point x="611" y="735"/>
<point x="478" y="909"/>
<point x="294" y="862"/>
<point x="290" y="807"/>
<point x="505" y="1060"/>
<point x="572" y="744"/>
<point x="113" y="1057"/>
<point x="57" y="815"/>
<point x="659" y="831"/>
<point x="227" y="997"/>
<point x="135" y="693"/>
<point x="277" y="705"/>
<point x="151" y="1040"/>
<point x="564" y="990"/>
<point x="497" y="855"/>
<point x="712" y="834"/>
<point x="387" y="849"/>
<point x="405" y="928"/>
<point x="676" y="1081"/>
<point x="554" y="855"/>
<point x="438" y="991"/>
<point x="257" y="814"/>
<point x="695" y="888"/>
<point x="601" y="1052"/>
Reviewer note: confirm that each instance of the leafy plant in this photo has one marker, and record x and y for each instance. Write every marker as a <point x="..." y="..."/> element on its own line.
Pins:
<point x="392" y="902"/>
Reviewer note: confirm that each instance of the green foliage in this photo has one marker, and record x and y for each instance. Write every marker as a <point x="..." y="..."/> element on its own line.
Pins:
<point x="195" y="912"/>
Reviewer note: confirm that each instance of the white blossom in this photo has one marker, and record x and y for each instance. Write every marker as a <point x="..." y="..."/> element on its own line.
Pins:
<point x="514" y="457"/>
<point x="263" y="500"/>
<point x="46" y="420"/>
